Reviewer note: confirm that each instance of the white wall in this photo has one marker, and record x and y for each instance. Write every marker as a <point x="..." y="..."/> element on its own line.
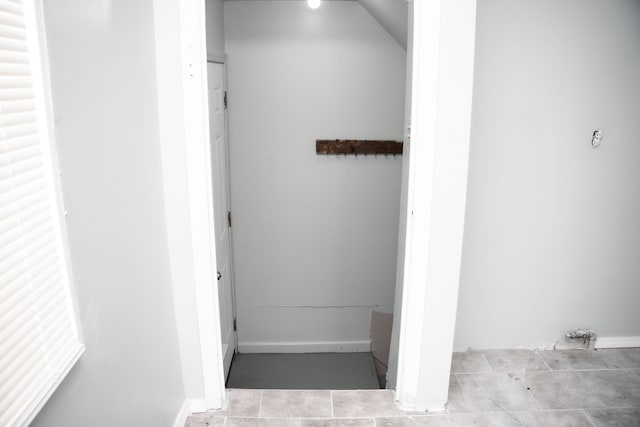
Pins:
<point x="215" y="26"/>
<point x="392" y="15"/>
<point x="553" y="226"/>
<point x="392" y="371"/>
<point x="314" y="236"/>
<point x="104" y="93"/>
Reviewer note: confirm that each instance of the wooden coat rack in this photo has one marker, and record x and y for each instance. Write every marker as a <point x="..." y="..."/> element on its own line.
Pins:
<point x="358" y="146"/>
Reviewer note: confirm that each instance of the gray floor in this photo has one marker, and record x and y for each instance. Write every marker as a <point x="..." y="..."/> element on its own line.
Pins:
<point x="488" y="388"/>
<point x="308" y="371"/>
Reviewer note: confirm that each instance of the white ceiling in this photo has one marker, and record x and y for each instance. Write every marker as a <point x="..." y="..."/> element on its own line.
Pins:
<point x="391" y="14"/>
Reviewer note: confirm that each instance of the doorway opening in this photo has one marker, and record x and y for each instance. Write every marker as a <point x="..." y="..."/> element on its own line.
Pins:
<point x="314" y="237"/>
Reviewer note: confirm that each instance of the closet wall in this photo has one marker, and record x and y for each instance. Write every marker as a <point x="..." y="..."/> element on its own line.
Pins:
<point x="315" y="237"/>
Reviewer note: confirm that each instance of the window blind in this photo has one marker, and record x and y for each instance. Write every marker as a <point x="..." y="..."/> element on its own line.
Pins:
<point x="39" y="340"/>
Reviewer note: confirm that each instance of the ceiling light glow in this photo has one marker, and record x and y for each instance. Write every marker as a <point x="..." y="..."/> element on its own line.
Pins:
<point x="314" y="4"/>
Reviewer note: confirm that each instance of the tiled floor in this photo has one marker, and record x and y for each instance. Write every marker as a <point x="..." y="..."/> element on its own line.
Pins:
<point x="488" y="388"/>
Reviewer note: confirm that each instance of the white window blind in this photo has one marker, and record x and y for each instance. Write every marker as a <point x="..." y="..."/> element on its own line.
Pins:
<point x="39" y="339"/>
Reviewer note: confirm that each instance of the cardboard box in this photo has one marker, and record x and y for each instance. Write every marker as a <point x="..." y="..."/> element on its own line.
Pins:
<point x="380" y="334"/>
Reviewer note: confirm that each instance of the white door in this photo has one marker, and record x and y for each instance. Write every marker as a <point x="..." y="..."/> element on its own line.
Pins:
<point x="219" y="172"/>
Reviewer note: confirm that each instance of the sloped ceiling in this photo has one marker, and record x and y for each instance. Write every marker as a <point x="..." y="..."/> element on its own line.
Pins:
<point x="392" y="15"/>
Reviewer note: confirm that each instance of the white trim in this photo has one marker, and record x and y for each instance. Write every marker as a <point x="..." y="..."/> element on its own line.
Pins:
<point x="42" y="83"/>
<point x="174" y="180"/>
<point x="79" y="352"/>
<point x="392" y="371"/>
<point x="617" y="342"/>
<point x="197" y="405"/>
<point x="416" y="242"/>
<point x="183" y="414"/>
<point x="305" y="347"/>
<point x="442" y="52"/>
<point x="40" y="70"/>
<point x="196" y="120"/>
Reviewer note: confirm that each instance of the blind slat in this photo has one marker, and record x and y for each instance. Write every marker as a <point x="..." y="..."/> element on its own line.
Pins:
<point x="28" y="317"/>
<point x="12" y="30"/>
<point x="15" y="94"/>
<point x="17" y="355"/>
<point x="18" y="265"/>
<point x="9" y="223"/>
<point x="22" y="284"/>
<point x="17" y="118"/>
<point x="23" y="199"/>
<point x="13" y="81"/>
<point x="9" y="105"/>
<point x="18" y="130"/>
<point x="37" y="378"/>
<point x="10" y="68"/>
<point x="11" y="8"/>
<point x="14" y="349"/>
<point x="17" y="168"/>
<point x="22" y="182"/>
<point x="12" y="45"/>
<point x="12" y="16"/>
<point x="13" y="58"/>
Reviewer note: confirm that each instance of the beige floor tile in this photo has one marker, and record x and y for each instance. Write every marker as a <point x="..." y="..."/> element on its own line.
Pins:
<point x="416" y="421"/>
<point x="469" y="361"/>
<point x="496" y="391"/>
<point x="573" y="418"/>
<point x="458" y="401"/>
<point x="514" y="360"/>
<point x="615" y="417"/>
<point x="296" y="403"/>
<point x="364" y="403"/>
<point x="621" y="358"/>
<point x="561" y="390"/>
<point x="488" y="419"/>
<point x="262" y="422"/>
<point x="573" y="359"/>
<point x="204" y="420"/>
<point x="615" y="388"/>
<point x="240" y="403"/>
<point x="344" y="422"/>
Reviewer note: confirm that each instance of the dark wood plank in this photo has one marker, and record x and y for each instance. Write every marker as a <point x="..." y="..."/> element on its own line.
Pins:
<point x="358" y="146"/>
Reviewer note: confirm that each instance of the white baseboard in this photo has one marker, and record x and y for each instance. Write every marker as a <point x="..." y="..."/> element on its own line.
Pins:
<point x="181" y="418"/>
<point x="197" y="405"/>
<point x="617" y="342"/>
<point x="305" y="347"/>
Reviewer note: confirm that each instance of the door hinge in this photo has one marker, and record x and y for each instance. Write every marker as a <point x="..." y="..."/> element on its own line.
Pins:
<point x="235" y="325"/>
<point x="229" y="218"/>
<point x="225" y="100"/>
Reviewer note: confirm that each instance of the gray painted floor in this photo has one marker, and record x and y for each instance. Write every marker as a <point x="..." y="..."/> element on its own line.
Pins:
<point x="308" y="371"/>
<point x="488" y="388"/>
